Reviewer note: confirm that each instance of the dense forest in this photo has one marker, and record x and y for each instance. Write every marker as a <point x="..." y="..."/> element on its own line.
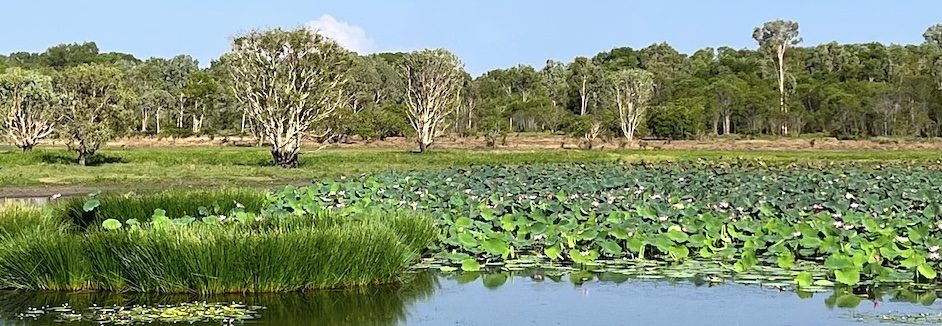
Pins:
<point x="780" y="88"/>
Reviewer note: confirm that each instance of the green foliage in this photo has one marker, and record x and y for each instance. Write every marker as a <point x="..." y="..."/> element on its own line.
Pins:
<point x="859" y="224"/>
<point x="266" y="253"/>
<point x="26" y="105"/>
<point x="91" y="115"/>
<point x="676" y="120"/>
<point x="84" y="212"/>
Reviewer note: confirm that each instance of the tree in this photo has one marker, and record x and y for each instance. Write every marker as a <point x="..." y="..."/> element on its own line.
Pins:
<point x="26" y="98"/>
<point x="287" y="81"/>
<point x="583" y="76"/>
<point x="433" y="83"/>
<point x="200" y="92"/>
<point x="176" y="75"/>
<point x="727" y="90"/>
<point x="69" y="55"/>
<point x="633" y="88"/>
<point x="775" y="38"/>
<point x="90" y="111"/>
<point x="933" y="35"/>
<point x="555" y="76"/>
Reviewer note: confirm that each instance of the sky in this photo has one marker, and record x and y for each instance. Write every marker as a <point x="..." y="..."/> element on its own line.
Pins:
<point x="485" y="34"/>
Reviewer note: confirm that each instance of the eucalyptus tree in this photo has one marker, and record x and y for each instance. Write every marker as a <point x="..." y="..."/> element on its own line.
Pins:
<point x="554" y="77"/>
<point x="433" y="79"/>
<point x="775" y="38"/>
<point x="633" y="89"/>
<point x="583" y="79"/>
<point x="200" y="93"/>
<point x="91" y="116"/>
<point x="727" y="92"/>
<point x="26" y="100"/>
<point x="177" y="74"/>
<point x="287" y="81"/>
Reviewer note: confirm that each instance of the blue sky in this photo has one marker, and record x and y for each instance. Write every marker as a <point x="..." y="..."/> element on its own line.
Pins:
<point x="486" y="34"/>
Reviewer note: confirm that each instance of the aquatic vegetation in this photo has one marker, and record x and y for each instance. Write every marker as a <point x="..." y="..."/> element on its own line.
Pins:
<point x="190" y="312"/>
<point x="95" y="208"/>
<point x="17" y="218"/>
<point x="386" y="304"/>
<point x="234" y="252"/>
<point x="862" y="224"/>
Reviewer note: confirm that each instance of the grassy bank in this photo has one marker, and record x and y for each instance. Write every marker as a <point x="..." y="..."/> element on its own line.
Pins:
<point x="236" y="251"/>
<point x="48" y="170"/>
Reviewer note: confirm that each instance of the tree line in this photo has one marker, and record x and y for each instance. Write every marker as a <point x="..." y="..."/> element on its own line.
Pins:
<point x="284" y="86"/>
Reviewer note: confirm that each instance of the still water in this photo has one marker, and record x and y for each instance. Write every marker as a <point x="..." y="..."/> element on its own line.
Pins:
<point x="501" y="299"/>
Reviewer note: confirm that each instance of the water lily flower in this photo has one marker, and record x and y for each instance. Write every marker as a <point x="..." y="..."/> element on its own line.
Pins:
<point x="854" y="205"/>
<point x="817" y="206"/>
<point x="838" y="224"/>
<point x="934" y="256"/>
<point x="848" y="226"/>
<point x="655" y="197"/>
<point x="849" y="196"/>
<point x="595" y="204"/>
<point x="796" y="234"/>
<point x="341" y="193"/>
<point x="662" y="218"/>
<point x="933" y="248"/>
<point x="467" y="191"/>
<point x="836" y="215"/>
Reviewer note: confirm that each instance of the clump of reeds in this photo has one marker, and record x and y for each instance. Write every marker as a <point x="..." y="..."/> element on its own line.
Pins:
<point x="277" y="253"/>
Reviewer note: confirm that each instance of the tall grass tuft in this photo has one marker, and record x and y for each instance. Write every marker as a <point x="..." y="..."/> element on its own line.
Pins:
<point x="281" y="254"/>
<point x="175" y="203"/>
<point x="17" y="218"/>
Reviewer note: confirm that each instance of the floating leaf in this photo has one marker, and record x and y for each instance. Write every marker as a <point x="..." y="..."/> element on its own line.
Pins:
<point x="111" y="224"/>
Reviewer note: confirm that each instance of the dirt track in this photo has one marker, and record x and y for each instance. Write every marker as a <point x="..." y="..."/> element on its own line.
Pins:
<point x="530" y="142"/>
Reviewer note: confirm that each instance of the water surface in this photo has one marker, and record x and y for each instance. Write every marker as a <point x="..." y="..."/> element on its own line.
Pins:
<point x="501" y="299"/>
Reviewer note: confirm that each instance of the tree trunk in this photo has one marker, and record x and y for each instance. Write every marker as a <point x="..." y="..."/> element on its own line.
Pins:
<point x="584" y="97"/>
<point x="781" y="89"/>
<point x="285" y="156"/>
<point x="82" y="157"/>
<point x="180" y="116"/>
<point x="157" y="118"/>
<point x="144" y="120"/>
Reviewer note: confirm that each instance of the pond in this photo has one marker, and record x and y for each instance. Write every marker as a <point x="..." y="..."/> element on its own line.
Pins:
<point x="503" y="299"/>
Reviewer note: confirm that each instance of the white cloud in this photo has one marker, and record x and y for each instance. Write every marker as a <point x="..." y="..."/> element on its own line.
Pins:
<point x="349" y="36"/>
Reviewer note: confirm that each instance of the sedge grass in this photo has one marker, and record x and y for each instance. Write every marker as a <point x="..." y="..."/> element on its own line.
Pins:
<point x="285" y="254"/>
<point x="176" y="203"/>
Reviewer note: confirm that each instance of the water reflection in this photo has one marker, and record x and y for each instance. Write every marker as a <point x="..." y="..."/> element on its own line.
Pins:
<point x="382" y="305"/>
<point x="532" y="298"/>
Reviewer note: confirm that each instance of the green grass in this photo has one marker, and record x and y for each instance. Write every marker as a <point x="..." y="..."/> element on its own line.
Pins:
<point x="286" y="253"/>
<point x="197" y="167"/>
<point x="176" y="203"/>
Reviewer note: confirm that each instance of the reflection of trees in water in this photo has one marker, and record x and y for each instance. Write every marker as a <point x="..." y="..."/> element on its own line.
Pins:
<point x="378" y="305"/>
